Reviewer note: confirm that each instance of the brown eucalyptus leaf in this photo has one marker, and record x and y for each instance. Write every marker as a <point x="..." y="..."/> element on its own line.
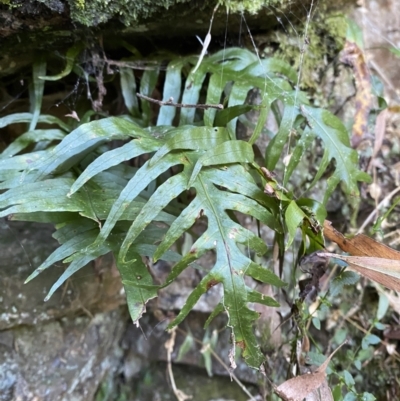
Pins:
<point x="381" y="270"/>
<point x="322" y="393"/>
<point x="360" y="245"/>
<point x="300" y="387"/>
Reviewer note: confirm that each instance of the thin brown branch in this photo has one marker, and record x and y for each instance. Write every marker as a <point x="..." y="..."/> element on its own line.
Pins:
<point x="170" y="102"/>
<point x="169" y="345"/>
<point x="138" y="64"/>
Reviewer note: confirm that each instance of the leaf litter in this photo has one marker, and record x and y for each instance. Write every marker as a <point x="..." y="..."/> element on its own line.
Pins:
<point x="300" y="387"/>
<point x="372" y="259"/>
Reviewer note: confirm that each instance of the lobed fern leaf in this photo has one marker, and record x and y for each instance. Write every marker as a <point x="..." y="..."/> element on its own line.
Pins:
<point x="102" y="205"/>
<point x="223" y="236"/>
<point x="335" y="138"/>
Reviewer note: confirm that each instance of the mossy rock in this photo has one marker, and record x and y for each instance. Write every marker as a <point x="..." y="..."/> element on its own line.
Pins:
<point x="30" y="27"/>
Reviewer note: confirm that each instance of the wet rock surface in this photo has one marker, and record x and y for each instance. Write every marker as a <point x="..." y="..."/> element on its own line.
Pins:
<point x="82" y="342"/>
<point x="59" y="350"/>
<point x="61" y="360"/>
<point x="23" y="247"/>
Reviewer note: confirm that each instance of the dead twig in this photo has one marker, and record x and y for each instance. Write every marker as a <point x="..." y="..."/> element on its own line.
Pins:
<point x="376" y="210"/>
<point x="170" y="102"/>
<point x="169" y="346"/>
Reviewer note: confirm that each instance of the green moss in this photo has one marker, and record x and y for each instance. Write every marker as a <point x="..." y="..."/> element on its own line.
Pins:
<point x="80" y="4"/>
<point x="326" y="34"/>
<point x="251" y="6"/>
<point x="94" y="12"/>
<point x="9" y="3"/>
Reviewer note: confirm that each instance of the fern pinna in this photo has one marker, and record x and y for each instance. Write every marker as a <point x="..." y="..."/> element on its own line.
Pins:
<point x="99" y="203"/>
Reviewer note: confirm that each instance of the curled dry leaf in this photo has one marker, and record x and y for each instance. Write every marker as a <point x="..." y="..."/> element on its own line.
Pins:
<point x="300" y="387"/>
<point x="380" y="270"/>
<point x="73" y="115"/>
<point x="360" y="245"/>
<point x="322" y="393"/>
<point x="371" y="259"/>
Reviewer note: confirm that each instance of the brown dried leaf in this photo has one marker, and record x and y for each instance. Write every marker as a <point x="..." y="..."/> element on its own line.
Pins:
<point x="322" y="393"/>
<point x="353" y="56"/>
<point x="297" y="388"/>
<point x="360" y="245"/>
<point x="380" y="270"/>
<point x="300" y="387"/>
<point x="363" y="246"/>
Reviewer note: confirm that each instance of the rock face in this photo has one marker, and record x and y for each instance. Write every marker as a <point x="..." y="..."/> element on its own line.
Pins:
<point x="96" y="288"/>
<point x="30" y="27"/>
<point x="82" y="341"/>
<point x="64" y="359"/>
<point x="58" y="350"/>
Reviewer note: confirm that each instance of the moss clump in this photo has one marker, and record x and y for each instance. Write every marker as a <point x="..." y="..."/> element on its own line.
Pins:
<point x="30" y="7"/>
<point x="94" y="12"/>
<point x="325" y="37"/>
<point x="251" y="6"/>
<point x="80" y="4"/>
<point x="9" y="3"/>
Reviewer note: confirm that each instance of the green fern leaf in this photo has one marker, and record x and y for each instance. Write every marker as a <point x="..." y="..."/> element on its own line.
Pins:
<point x="78" y="260"/>
<point x="223" y="235"/>
<point x="172" y="90"/>
<point x="226" y="152"/>
<point x="128" y="88"/>
<point x="336" y="140"/>
<point x="36" y="90"/>
<point x="136" y="271"/>
<point x="68" y="248"/>
<point x="189" y="137"/>
<point x="27" y="118"/>
<point x="112" y="206"/>
<point x="84" y="140"/>
<point x="31" y="137"/>
<point x="147" y="85"/>
<point x="114" y="157"/>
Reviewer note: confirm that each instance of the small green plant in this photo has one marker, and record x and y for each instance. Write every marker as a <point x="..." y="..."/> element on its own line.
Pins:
<point x="189" y="166"/>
